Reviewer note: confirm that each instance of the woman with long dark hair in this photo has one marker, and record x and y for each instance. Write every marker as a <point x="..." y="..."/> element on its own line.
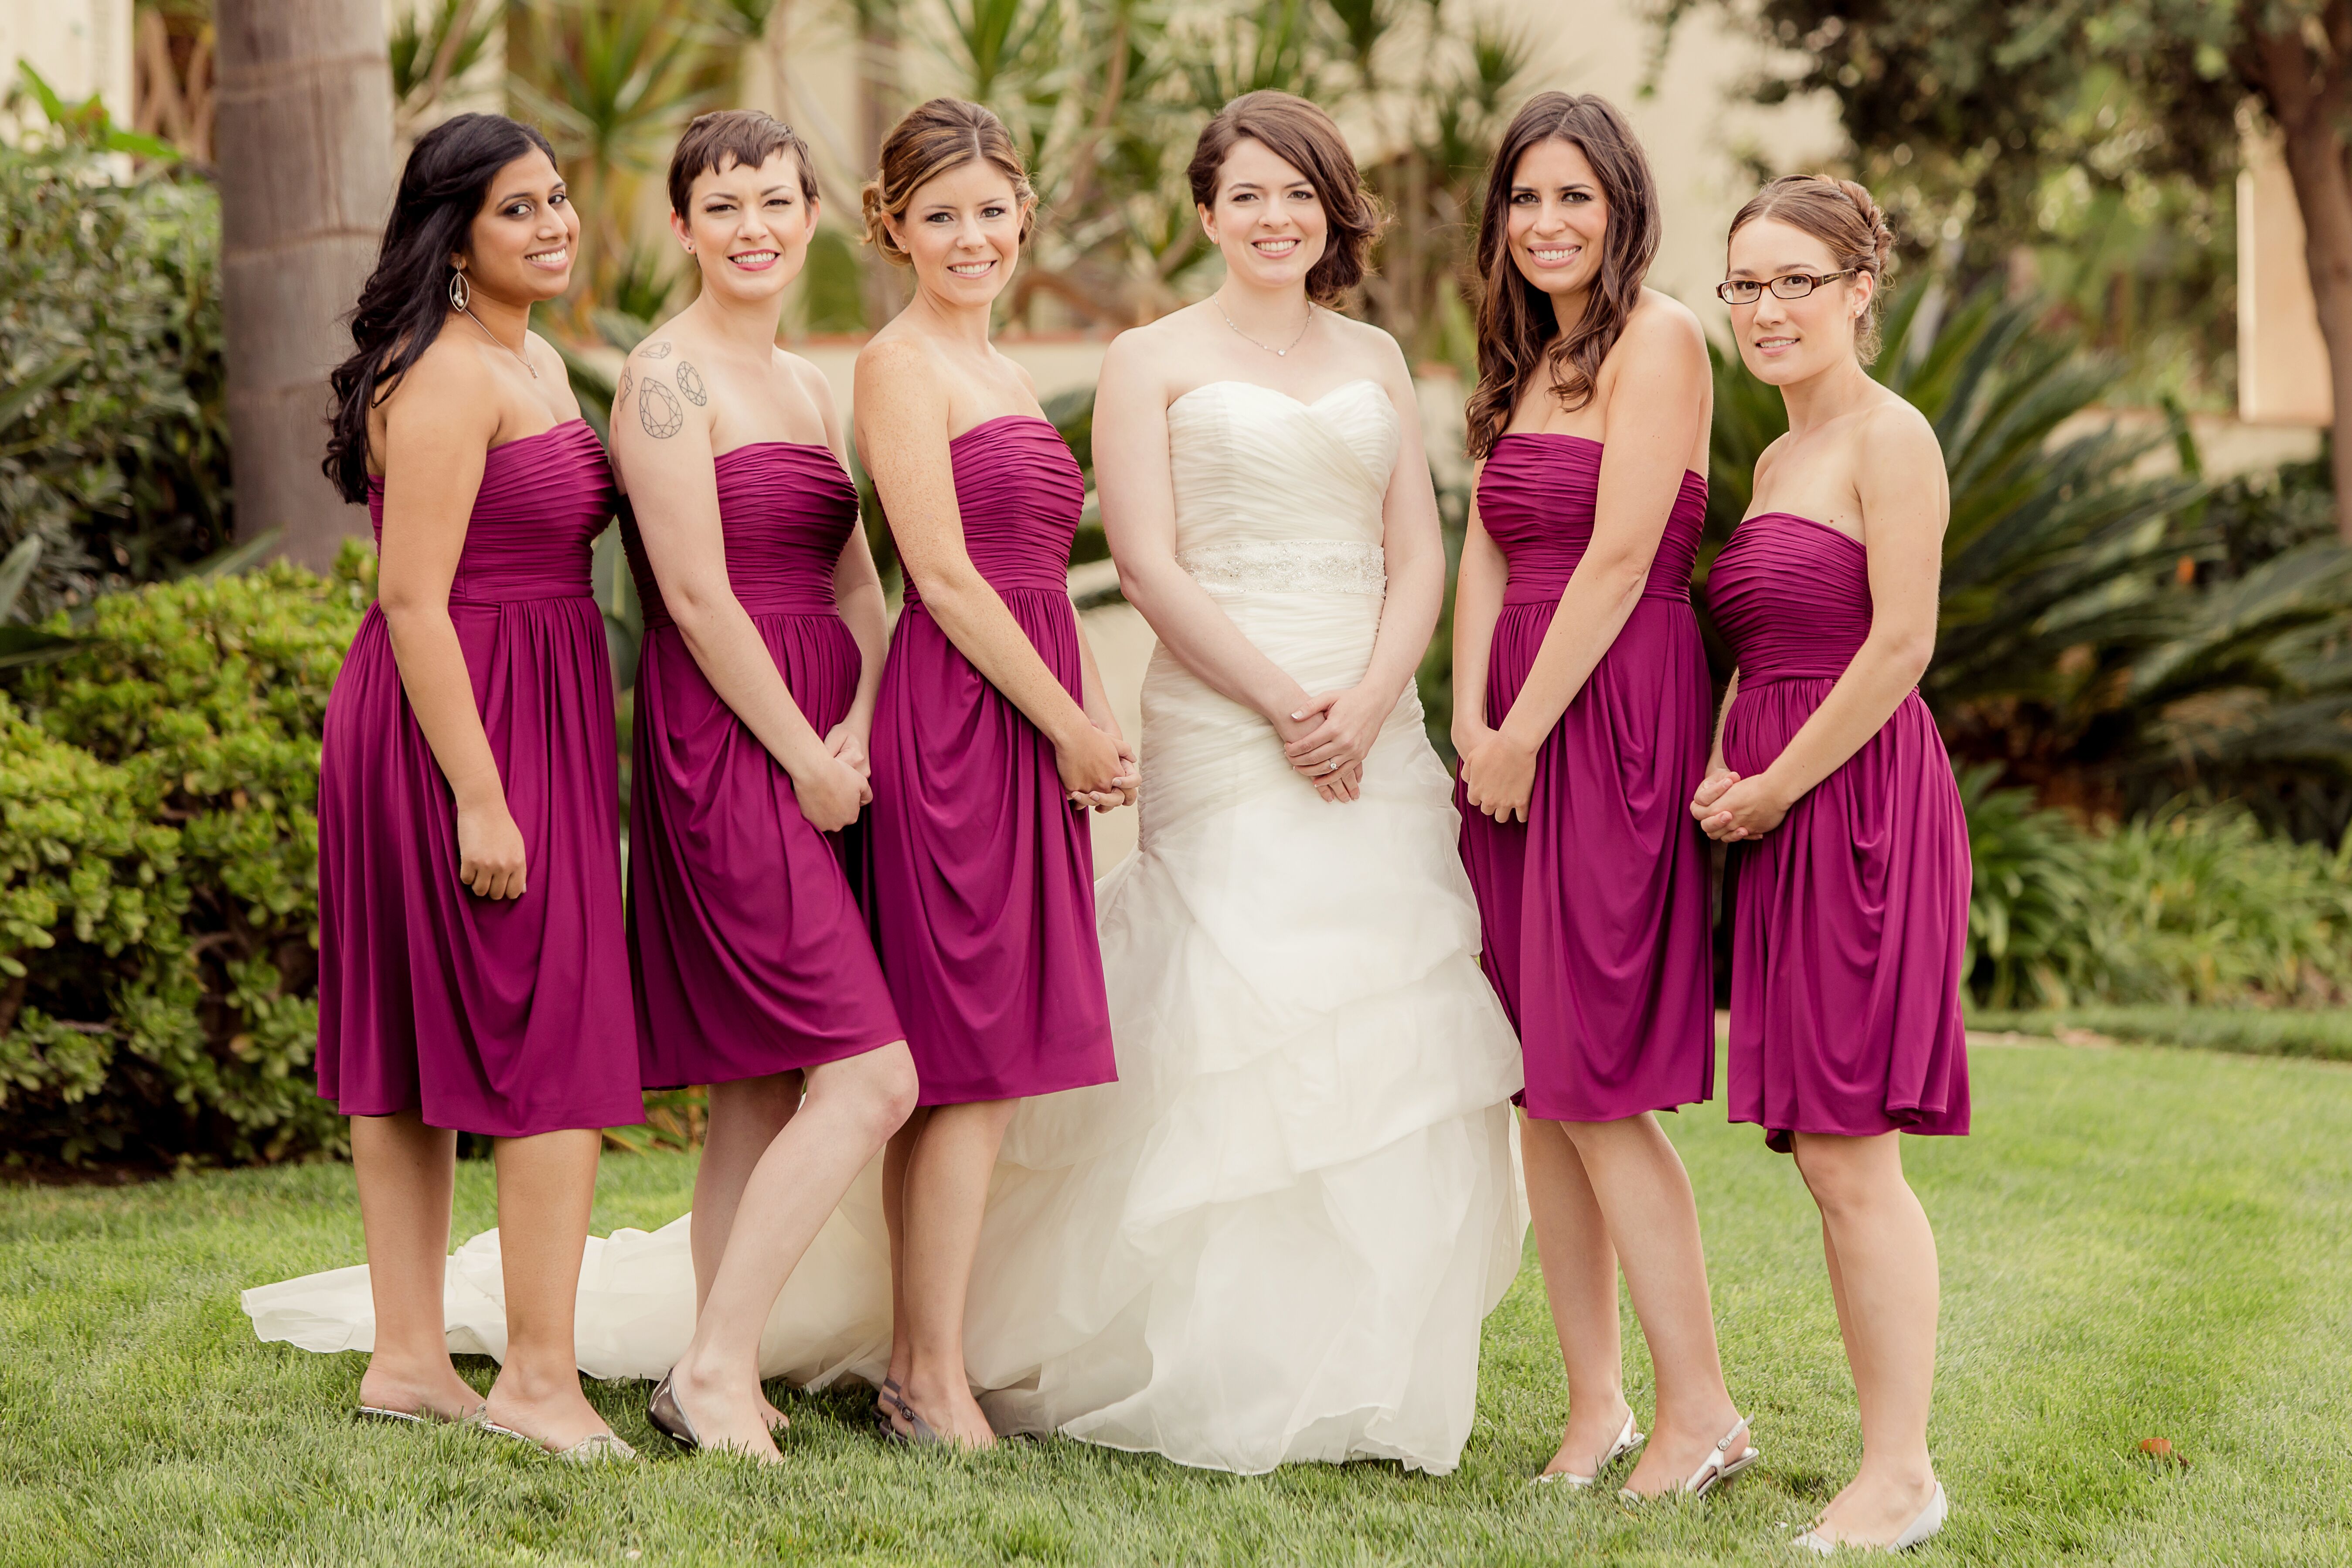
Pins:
<point x="1850" y="848"/>
<point x="1581" y="713"/>
<point x="472" y="973"/>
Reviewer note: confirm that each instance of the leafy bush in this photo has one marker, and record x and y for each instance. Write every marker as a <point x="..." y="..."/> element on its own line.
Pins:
<point x="158" y="916"/>
<point x="2188" y="904"/>
<point x="113" y="420"/>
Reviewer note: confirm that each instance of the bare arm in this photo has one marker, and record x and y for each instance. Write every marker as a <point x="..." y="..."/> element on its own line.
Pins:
<point x="1655" y="412"/>
<point x="857" y="591"/>
<point x="438" y="430"/>
<point x="1477" y="605"/>
<point x="1905" y="506"/>
<point x="1138" y="510"/>
<point x="902" y="423"/>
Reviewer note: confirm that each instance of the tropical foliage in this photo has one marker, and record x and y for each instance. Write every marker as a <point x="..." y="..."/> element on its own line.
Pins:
<point x="2108" y="635"/>
<point x="113" y="429"/>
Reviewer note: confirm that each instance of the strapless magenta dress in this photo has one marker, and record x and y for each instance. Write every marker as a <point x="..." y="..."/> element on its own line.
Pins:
<point x="1849" y="920"/>
<point x="983" y="874"/>
<point x="1595" y="909"/>
<point x="750" y="953"/>
<point x="508" y="1018"/>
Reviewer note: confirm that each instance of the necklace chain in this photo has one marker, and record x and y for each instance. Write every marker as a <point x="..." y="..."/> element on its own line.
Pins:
<point x="1277" y="353"/>
<point x="495" y="339"/>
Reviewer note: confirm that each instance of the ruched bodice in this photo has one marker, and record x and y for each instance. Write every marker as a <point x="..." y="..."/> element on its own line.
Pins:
<point x="1793" y="596"/>
<point x="1020" y="493"/>
<point x="1276" y="495"/>
<point x="1536" y="497"/>
<point x="785" y="508"/>
<point x="542" y="501"/>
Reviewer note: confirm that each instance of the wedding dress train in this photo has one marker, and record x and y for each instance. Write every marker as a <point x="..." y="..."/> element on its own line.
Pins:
<point x="1275" y="1236"/>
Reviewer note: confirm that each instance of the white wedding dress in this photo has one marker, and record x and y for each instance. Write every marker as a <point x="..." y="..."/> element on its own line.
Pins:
<point x="1275" y="1236"/>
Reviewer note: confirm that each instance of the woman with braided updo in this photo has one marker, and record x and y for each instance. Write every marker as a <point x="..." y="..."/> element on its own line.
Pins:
<point x="1850" y="859"/>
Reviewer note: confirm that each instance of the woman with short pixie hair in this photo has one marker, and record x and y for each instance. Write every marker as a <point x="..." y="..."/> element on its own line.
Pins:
<point x="756" y="682"/>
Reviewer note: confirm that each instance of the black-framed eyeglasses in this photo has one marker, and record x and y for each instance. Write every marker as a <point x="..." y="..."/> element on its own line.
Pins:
<point x="1795" y="286"/>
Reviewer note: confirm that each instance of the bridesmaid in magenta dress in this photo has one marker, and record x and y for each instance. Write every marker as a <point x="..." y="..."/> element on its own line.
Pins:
<point x="1849" y="869"/>
<point x="472" y="971"/>
<point x="992" y="739"/>
<point x="755" y="691"/>
<point x="1581" y="713"/>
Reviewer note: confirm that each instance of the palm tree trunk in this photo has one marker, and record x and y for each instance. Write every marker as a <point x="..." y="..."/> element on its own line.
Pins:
<point x="304" y="144"/>
<point x="2307" y="95"/>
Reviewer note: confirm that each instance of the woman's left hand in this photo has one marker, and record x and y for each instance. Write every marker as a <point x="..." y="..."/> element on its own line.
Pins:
<point x="1744" y="808"/>
<point x="1351" y="722"/>
<point x="844" y="742"/>
<point x="1498" y="775"/>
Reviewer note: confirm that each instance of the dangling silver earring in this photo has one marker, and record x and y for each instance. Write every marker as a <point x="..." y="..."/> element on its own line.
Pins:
<point x="460" y="295"/>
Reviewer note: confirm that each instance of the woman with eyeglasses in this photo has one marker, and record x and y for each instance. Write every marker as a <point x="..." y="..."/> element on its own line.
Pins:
<point x="1850" y="858"/>
<point x="1580" y="712"/>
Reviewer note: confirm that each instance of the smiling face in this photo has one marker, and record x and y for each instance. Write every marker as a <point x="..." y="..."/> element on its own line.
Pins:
<point x="1558" y="218"/>
<point x="1267" y="219"/>
<point x="962" y="230"/>
<point x="523" y="242"/>
<point x="748" y="227"/>
<point x="1783" y="341"/>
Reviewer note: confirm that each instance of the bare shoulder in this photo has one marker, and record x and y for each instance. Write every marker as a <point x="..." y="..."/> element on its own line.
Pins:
<point x="1662" y="321"/>
<point x="805" y="376"/>
<point x="448" y="375"/>
<point x="893" y="357"/>
<point x="1372" y="353"/>
<point x="543" y="356"/>
<point x="1895" y="433"/>
<point x="658" y="349"/>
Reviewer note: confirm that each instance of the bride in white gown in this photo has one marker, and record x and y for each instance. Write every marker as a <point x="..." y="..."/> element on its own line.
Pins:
<point x="1274" y="1238"/>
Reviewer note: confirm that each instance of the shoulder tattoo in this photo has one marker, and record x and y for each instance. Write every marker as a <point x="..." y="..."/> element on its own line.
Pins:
<point x="655" y="350"/>
<point x="621" y="392"/>
<point x="658" y="411"/>
<point x="689" y="382"/>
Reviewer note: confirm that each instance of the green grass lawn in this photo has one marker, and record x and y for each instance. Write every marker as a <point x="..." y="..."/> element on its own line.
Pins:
<point x="2135" y="1244"/>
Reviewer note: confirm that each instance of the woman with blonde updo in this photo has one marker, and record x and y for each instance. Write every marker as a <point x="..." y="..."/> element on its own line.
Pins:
<point x="1851" y="853"/>
<point x="991" y="737"/>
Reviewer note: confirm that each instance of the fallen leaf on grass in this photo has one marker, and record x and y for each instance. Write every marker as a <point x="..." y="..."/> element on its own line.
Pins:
<point x="2162" y="1448"/>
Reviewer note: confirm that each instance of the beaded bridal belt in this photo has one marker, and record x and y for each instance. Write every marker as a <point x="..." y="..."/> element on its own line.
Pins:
<point x="1290" y="566"/>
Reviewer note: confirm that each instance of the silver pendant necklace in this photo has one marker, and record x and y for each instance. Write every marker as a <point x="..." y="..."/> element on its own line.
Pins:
<point x="494" y="338"/>
<point x="1277" y="353"/>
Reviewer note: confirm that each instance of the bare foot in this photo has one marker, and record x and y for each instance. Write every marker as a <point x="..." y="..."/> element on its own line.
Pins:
<point x="725" y="1413"/>
<point x="1874" y="1509"/>
<point x="1590" y="1434"/>
<point x="1670" y="1457"/>
<point x="549" y="1411"/>
<point x="949" y="1410"/>
<point x="438" y="1393"/>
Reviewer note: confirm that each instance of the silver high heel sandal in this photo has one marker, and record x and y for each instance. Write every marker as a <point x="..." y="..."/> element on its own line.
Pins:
<point x="1628" y="1439"/>
<point x="1715" y="1470"/>
<point x="473" y="1417"/>
<point x="669" y="1418"/>
<point x="1931" y="1520"/>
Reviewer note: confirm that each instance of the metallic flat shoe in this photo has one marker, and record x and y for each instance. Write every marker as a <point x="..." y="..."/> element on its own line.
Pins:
<point x="1629" y="1438"/>
<point x="667" y="1418"/>
<point x="597" y="1447"/>
<point x="420" y="1417"/>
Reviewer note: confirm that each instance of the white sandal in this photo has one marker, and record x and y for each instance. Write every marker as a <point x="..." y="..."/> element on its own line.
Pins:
<point x="1931" y="1520"/>
<point x="1628" y="1439"/>
<point x="1715" y="1470"/>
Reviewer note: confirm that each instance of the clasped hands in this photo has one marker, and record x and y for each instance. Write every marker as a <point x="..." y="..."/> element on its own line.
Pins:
<point x="1326" y="739"/>
<point x="835" y="790"/>
<point x="1097" y="768"/>
<point x="1730" y="808"/>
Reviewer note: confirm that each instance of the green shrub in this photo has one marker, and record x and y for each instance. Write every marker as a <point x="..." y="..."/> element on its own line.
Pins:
<point x="2188" y="904"/>
<point x="113" y="416"/>
<point x="160" y="854"/>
